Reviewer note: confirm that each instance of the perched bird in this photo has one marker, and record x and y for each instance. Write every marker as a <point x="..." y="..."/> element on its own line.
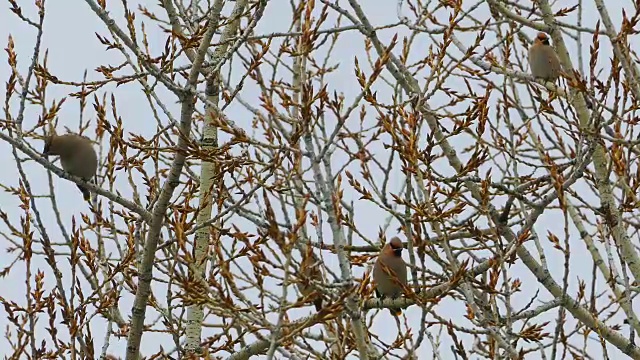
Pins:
<point x="310" y="271"/>
<point x="390" y="272"/>
<point x="77" y="157"/>
<point x="543" y="60"/>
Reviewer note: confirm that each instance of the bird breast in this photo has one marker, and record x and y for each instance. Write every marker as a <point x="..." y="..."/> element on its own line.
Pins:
<point x="82" y="163"/>
<point x="544" y="62"/>
<point x="385" y="283"/>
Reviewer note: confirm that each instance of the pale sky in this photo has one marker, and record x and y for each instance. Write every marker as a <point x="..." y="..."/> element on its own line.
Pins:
<point x="73" y="48"/>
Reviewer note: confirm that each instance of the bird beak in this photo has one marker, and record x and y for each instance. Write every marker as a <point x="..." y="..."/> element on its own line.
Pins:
<point x="398" y="251"/>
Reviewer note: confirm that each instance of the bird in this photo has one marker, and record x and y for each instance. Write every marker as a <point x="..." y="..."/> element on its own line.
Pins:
<point x="309" y="272"/>
<point x="390" y="272"/>
<point x="77" y="157"/>
<point x="543" y="60"/>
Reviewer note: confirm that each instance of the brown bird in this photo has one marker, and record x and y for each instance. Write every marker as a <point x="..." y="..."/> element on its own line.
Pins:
<point x="543" y="60"/>
<point x="309" y="272"/>
<point x="77" y="157"/>
<point x="390" y="272"/>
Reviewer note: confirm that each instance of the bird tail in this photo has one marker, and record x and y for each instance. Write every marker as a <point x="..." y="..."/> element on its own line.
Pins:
<point x="318" y="303"/>
<point x="86" y="194"/>
<point x="395" y="312"/>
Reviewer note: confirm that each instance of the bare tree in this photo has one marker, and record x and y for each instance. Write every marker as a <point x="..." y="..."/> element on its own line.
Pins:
<point x="256" y="155"/>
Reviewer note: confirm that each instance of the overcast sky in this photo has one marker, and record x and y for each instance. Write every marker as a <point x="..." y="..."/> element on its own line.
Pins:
<point x="73" y="48"/>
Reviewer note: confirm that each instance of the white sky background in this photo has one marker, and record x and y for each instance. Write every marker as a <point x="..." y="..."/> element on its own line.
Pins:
<point x="73" y="48"/>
